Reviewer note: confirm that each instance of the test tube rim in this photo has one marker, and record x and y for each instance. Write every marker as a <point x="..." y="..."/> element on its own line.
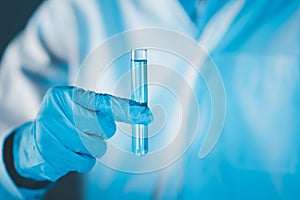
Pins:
<point x="139" y="54"/>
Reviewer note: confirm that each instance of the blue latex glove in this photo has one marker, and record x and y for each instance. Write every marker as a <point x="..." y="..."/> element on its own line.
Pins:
<point x="51" y="145"/>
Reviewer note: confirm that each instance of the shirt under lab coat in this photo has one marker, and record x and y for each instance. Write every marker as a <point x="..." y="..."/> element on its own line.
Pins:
<point x="255" y="46"/>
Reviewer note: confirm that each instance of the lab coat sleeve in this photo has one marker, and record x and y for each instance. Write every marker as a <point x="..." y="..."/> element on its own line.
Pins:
<point x="37" y="59"/>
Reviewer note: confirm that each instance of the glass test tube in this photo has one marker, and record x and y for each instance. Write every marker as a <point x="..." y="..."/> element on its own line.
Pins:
<point x="139" y="94"/>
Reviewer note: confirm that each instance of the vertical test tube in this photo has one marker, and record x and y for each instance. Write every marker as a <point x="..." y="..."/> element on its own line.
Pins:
<point x="139" y="94"/>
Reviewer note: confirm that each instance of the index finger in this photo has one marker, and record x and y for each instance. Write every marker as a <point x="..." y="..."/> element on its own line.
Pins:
<point x="123" y="110"/>
<point x="116" y="108"/>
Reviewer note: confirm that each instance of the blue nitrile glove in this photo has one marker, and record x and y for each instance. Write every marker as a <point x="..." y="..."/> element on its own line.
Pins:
<point x="51" y="145"/>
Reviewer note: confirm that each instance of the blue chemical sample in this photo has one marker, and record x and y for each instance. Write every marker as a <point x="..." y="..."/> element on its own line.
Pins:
<point x="140" y="94"/>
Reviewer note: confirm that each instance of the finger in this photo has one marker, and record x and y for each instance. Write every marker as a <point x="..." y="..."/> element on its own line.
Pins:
<point x="107" y="124"/>
<point x="62" y="158"/>
<point x="86" y="120"/>
<point x="93" y="122"/>
<point x="94" y="144"/>
<point x="85" y="98"/>
<point x="118" y="109"/>
<point x="123" y="110"/>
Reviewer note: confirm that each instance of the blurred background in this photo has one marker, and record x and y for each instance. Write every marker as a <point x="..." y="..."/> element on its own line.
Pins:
<point x="13" y="17"/>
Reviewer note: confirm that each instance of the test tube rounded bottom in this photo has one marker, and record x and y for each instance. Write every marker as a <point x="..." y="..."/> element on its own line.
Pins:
<point x="140" y="139"/>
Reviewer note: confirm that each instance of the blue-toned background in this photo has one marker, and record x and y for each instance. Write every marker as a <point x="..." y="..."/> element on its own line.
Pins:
<point x="14" y="15"/>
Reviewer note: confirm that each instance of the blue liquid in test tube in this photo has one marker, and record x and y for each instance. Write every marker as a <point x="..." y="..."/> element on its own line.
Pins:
<point x="139" y="94"/>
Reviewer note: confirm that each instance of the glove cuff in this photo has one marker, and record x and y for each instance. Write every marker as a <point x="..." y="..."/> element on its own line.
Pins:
<point x="10" y="156"/>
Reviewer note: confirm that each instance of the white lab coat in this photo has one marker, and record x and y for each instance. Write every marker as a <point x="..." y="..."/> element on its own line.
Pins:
<point x="256" y="48"/>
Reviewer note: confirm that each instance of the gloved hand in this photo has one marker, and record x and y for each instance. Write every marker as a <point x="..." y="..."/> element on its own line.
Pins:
<point x="51" y="145"/>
